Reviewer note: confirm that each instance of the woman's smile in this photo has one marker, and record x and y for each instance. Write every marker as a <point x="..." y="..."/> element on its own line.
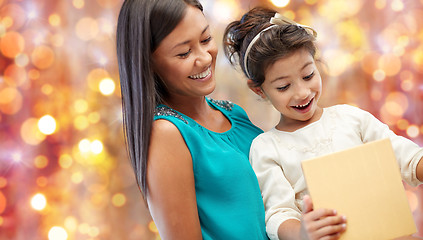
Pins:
<point x="203" y="76"/>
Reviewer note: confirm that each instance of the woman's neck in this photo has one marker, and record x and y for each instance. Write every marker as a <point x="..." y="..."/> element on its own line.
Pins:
<point x="200" y="111"/>
<point x="193" y="107"/>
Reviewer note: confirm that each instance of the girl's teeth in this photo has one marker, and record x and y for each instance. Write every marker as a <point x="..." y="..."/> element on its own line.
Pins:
<point x="201" y="75"/>
<point x="301" y="106"/>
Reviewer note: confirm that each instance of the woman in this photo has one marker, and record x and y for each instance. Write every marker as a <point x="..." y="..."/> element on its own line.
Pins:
<point x="189" y="152"/>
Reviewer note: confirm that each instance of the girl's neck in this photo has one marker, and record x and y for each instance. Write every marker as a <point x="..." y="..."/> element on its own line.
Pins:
<point x="292" y="125"/>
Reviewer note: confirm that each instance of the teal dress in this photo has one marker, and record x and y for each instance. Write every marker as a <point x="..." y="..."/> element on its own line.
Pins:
<point x="229" y="201"/>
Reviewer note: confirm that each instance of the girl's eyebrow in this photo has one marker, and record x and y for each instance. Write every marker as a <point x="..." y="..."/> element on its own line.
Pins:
<point x="187" y="41"/>
<point x="282" y="77"/>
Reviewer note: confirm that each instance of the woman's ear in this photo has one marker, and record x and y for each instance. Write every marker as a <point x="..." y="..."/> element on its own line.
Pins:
<point x="256" y="89"/>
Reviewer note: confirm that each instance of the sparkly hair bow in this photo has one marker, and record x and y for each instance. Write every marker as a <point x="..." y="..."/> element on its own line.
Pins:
<point x="277" y="20"/>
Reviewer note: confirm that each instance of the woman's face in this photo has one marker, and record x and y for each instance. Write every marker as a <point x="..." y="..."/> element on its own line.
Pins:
<point x="186" y="58"/>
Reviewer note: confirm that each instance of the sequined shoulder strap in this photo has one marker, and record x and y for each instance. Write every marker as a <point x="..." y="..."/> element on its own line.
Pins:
<point x="165" y="111"/>
<point x="227" y="105"/>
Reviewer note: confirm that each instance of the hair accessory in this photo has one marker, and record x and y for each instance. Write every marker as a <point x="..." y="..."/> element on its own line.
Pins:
<point x="277" y="20"/>
<point x="280" y="20"/>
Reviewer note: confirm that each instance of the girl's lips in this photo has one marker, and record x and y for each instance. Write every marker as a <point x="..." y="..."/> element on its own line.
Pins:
<point x="304" y="108"/>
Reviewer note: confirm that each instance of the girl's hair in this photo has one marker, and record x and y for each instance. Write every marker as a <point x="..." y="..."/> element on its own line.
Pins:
<point x="275" y="43"/>
<point x="142" y="25"/>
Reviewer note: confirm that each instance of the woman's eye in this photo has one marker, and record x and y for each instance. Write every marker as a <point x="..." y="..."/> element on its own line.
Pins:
<point x="207" y="39"/>
<point x="184" y="55"/>
<point x="308" y="77"/>
<point x="283" y="88"/>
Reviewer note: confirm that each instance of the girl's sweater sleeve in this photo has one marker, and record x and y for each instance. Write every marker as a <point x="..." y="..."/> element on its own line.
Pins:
<point x="278" y="194"/>
<point x="407" y="153"/>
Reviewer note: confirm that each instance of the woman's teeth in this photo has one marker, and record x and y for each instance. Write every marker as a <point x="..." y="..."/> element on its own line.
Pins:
<point x="201" y="75"/>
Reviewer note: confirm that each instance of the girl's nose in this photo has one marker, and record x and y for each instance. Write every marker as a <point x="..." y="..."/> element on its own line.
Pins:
<point x="302" y="91"/>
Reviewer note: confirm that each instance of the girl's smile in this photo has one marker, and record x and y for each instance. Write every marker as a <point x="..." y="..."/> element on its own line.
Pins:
<point x="305" y="107"/>
<point x="293" y="85"/>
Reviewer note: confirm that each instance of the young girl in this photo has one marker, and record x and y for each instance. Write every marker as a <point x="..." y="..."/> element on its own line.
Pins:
<point x="278" y="57"/>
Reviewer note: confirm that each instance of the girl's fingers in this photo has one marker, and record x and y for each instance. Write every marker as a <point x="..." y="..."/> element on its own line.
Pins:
<point x="307" y="204"/>
<point x="329" y="221"/>
<point x="331" y="237"/>
<point x="330" y="231"/>
<point x="324" y="224"/>
<point x="318" y="214"/>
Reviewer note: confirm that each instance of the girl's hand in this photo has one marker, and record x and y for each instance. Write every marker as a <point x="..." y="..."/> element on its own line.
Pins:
<point x="320" y="223"/>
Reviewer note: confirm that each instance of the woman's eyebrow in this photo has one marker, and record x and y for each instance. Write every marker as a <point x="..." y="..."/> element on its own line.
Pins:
<point x="187" y="41"/>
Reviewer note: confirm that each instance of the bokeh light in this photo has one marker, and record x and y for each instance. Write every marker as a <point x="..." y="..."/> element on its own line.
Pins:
<point x="42" y="181"/>
<point x="47" y="124"/>
<point x="280" y="3"/>
<point x="11" y="44"/>
<point x="40" y="161"/>
<point x="84" y="145"/>
<point x="119" y="200"/>
<point x="30" y="132"/>
<point x="87" y="28"/>
<point x="78" y="3"/>
<point x="57" y="233"/>
<point x="11" y="100"/>
<point x="96" y="146"/>
<point x="38" y="202"/>
<point x="2" y="202"/>
<point x="107" y="86"/>
<point x="413" y="131"/>
<point x="42" y="57"/>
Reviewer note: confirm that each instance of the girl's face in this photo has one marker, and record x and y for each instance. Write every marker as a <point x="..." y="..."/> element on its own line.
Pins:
<point x="293" y="85"/>
<point x="185" y="59"/>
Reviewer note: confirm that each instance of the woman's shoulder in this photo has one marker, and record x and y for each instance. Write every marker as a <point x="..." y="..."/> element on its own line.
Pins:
<point x="167" y="113"/>
<point x="165" y="134"/>
<point x="222" y="104"/>
<point x="231" y="109"/>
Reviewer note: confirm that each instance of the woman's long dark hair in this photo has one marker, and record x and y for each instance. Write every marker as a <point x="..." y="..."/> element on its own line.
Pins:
<point x="142" y="25"/>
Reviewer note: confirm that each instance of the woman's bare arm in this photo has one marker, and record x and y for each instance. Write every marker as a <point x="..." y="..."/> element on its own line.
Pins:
<point x="171" y="197"/>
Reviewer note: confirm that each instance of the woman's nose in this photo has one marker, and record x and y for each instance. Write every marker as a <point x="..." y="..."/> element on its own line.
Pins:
<point x="204" y="57"/>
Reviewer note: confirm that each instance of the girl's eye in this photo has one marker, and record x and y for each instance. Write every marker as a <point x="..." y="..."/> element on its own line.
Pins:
<point x="309" y="76"/>
<point x="184" y="55"/>
<point x="283" y="88"/>
<point x="207" y="40"/>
